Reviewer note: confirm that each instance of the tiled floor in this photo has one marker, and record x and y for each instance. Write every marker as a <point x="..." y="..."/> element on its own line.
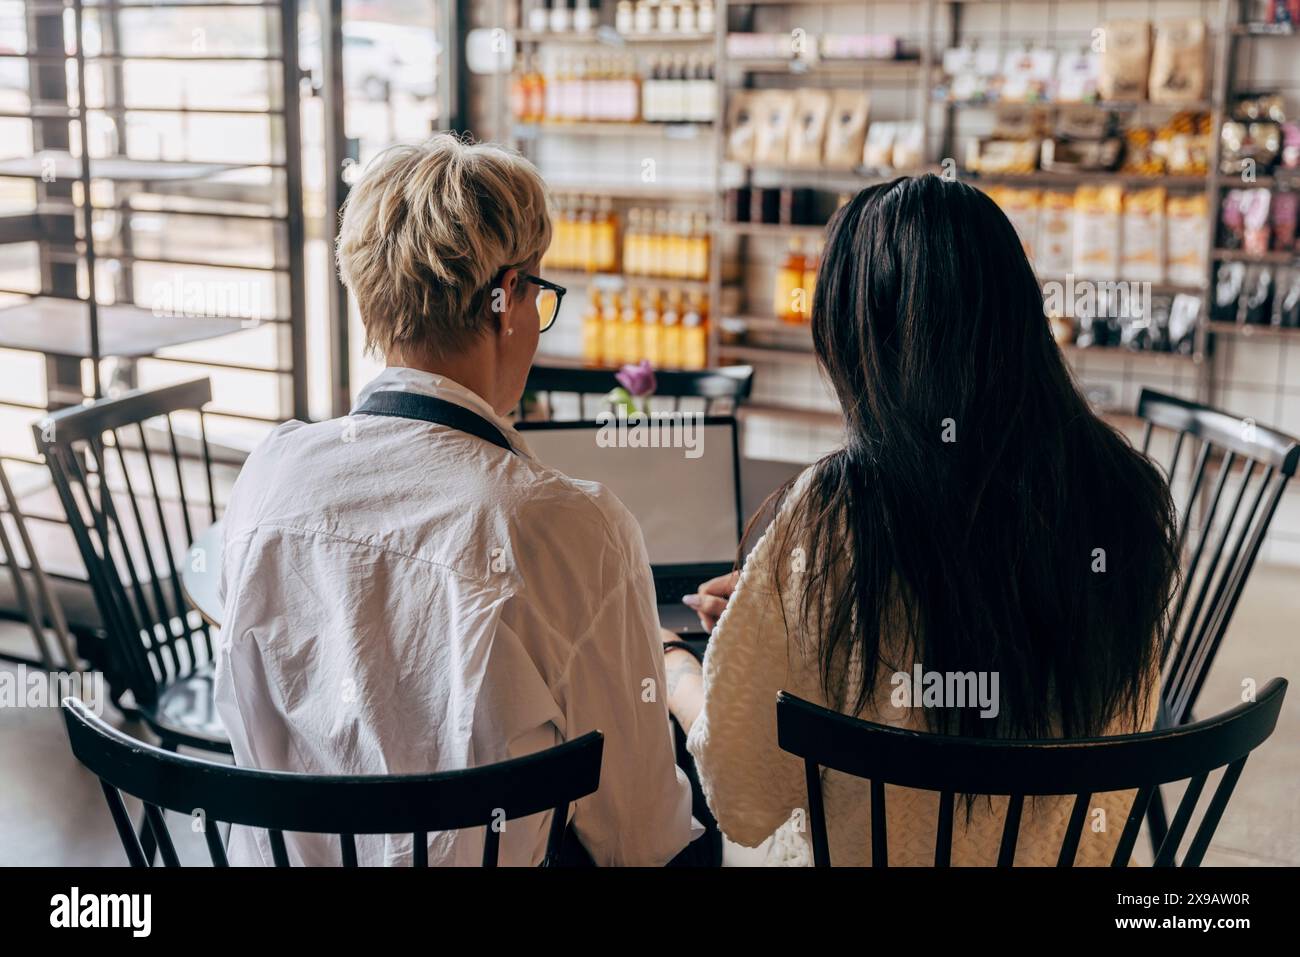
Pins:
<point x="52" y="813"/>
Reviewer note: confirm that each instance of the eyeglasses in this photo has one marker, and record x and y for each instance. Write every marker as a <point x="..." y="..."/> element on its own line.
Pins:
<point x="549" y="297"/>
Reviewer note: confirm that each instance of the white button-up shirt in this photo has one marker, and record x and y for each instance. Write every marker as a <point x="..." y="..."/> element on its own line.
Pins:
<point x="402" y="597"/>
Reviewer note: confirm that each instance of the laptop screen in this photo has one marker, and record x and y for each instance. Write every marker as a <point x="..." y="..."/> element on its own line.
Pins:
<point x="683" y="493"/>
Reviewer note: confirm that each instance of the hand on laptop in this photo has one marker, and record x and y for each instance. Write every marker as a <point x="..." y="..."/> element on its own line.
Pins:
<point x="711" y="598"/>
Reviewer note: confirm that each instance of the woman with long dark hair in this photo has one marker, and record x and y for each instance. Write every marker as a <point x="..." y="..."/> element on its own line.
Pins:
<point x="980" y="518"/>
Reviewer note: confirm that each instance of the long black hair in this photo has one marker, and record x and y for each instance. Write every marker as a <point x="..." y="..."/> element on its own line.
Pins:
<point x="980" y="517"/>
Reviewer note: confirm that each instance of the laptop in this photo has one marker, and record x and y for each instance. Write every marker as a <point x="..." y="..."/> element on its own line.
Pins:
<point x="680" y="480"/>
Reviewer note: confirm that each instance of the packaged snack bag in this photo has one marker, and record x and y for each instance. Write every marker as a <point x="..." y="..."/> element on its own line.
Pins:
<point x="1126" y="60"/>
<point x="808" y="131"/>
<point x="846" y="131"/>
<point x="1142" y="244"/>
<point x="774" y="110"/>
<point x="1097" y="212"/>
<point x="1186" y="238"/>
<point x="741" y="127"/>
<point x="1178" y="64"/>
<point x="1054" y="241"/>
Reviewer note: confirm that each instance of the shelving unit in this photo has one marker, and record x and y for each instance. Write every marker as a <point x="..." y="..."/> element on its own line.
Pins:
<point x="939" y="22"/>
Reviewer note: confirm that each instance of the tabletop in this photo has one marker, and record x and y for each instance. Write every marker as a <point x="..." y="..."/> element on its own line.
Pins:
<point x="61" y="327"/>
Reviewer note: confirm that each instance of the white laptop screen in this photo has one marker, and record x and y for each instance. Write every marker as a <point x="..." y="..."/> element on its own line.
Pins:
<point x="683" y="497"/>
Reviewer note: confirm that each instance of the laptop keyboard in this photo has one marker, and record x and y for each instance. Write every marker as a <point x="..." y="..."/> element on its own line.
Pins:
<point x="673" y="588"/>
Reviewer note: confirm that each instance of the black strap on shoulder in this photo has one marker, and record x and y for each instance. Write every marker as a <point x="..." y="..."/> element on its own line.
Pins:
<point x="427" y="408"/>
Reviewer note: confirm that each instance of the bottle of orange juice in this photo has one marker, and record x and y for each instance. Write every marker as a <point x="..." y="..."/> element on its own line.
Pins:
<point x="630" y="334"/>
<point x="657" y="249"/>
<point x="632" y="243"/>
<point x="611" y="338"/>
<point x="585" y="238"/>
<point x="671" y="333"/>
<point x="699" y="256"/>
<point x="593" y="329"/>
<point x="810" y="282"/>
<point x="787" y="299"/>
<point x="605" y="239"/>
<point x="695" y="335"/>
<point x="652" y="338"/>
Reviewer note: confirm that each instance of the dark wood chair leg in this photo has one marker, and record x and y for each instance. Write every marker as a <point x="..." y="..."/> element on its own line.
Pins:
<point x="148" y="843"/>
<point x="1157" y="821"/>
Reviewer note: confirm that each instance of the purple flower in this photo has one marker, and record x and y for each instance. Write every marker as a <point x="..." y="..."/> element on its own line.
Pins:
<point x="638" y="379"/>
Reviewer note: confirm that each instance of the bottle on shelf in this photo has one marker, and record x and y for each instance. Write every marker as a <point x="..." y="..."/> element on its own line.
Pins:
<point x="657" y="251"/>
<point x="686" y="24"/>
<point x="629" y="338"/>
<point x="695" y="335"/>
<point x="810" y="281"/>
<point x="666" y="23"/>
<point x="788" y="296"/>
<point x="702" y="93"/>
<point x="650" y="91"/>
<point x="705" y="18"/>
<point x="651" y="330"/>
<point x="605" y="240"/>
<point x="537" y="20"/>
<point x="671" y="332"/>
<point x="555" y="92"/>
<point x="633" y="245"/>
<point x="699" y="248"/>
<point x="624" y="17"/>
<point x="644" y="17"/>
<point x="611" y="323"/>
<point x="585" y="235"/>
<point x="560" y="20"/>
<point x="536" y="92"/>
<point x="519" y="98"/>
<point x="593" y="328"/>
<point x="584" y="18"/>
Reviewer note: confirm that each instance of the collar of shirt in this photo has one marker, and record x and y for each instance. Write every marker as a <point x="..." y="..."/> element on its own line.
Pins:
<point x="402" y="379"/>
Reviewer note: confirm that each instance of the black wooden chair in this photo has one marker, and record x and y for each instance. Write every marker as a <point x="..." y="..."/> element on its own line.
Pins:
<point x="280" y="801"/>
<point x="1219" y="544"/>
<point x="721" y="390"/>
<point x="1219" y="536"/>
<point x="952" y="766"/>
<point x="134" y="508"/>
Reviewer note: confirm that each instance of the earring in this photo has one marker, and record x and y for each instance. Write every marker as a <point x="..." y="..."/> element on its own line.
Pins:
<point x="510" y="331"/>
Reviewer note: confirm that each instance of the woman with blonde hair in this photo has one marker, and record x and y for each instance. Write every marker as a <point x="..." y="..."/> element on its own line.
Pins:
<point x="408" y="589"/>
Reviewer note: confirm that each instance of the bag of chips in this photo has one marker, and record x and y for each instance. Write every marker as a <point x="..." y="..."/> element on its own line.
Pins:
<point x="1125" y="60"/>
<point x="846" y="131"/>
<point x="808" y="132"/>
<point x="878" y="151"/>
<point x="1097" y="212"/>
<point x="1054" y="241"/>
<point x="1186" y="238"/>
<point x="1143" y="236"/>
<point x="774" y="113"/>
<point x="741" y="127"/>
<point x="1178" y="64"/>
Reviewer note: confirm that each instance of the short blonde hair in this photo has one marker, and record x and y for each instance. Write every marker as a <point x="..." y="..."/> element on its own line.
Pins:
<point x="427" y="231"/>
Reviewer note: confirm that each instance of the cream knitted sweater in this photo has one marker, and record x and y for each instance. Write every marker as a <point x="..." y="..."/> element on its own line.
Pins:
<point x="757" y="791"/>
